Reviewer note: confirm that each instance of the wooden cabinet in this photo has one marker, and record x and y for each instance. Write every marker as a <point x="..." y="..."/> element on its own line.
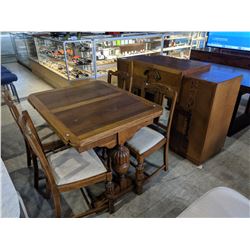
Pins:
<point x="203" y="115"/>
<point x="206" y="98"/>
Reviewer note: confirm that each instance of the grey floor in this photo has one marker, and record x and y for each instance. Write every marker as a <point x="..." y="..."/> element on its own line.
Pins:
<point x="166" y="196"/>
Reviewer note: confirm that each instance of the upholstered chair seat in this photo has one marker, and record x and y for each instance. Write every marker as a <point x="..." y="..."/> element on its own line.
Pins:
<point x="70" y="166"/>
<point x="144" y="139"/>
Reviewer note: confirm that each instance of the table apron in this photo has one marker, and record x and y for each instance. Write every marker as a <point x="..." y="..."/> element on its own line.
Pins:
<point x="118" y="138"/>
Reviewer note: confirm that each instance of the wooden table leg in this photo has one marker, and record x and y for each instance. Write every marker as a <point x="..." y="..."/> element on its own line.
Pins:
<point x="120" y="163"/>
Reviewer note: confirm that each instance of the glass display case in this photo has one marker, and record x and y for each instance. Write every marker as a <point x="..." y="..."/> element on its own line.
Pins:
<point x="91" y="56"/>
<point x="24" y="47"/>
<point x="69" y="59"/>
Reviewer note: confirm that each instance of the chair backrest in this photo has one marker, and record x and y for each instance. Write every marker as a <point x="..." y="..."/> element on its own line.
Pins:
<point x="164" y="96"/>
<point x="145" y="72"/>
<point x="125" y="79"/>
<point x="16" y="113"/>
<point x="31" y="136"/>
<point x="11" y="105"/>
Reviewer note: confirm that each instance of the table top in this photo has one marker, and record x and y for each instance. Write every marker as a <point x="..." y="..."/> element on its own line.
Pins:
<point x="92" y="111"/>
<point x="217" y="74"/>
<point x="245" y="73"/>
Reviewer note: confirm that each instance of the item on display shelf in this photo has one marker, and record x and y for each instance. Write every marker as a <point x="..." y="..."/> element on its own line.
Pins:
<point x="83" y="61"/>
<point x="78" y="73"/>
<point x="100" y="55"/>
<point x="75" y="58"/>
<point x="84" y="47"/>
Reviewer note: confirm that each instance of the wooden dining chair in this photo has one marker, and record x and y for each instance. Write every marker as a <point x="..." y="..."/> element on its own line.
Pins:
<point x="125" y="79"/>
<point x="67" y="170"/>
<point x="150" y="139"/>
<point x="50" y="141"/>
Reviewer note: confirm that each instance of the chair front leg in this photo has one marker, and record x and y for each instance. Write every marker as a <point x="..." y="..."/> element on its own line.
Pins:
<point x="165" y="155"/>
<point x="28" y="153"/>
<point x="109" y="195"/>
<point x="104" y="153"/>
<point x="139" y="176"/>
<point x="13" y="88"/>
<point x="57" y="203"/>
<point x="48" y="191"/>
<point x="36" y="171"/>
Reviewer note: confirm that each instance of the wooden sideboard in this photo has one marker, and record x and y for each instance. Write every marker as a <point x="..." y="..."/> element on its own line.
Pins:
<point x="206" y="99"/>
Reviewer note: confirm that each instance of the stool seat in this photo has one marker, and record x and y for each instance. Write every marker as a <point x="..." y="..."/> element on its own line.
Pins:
<point x="7" y="79"/>
<point x="3" y="69"/>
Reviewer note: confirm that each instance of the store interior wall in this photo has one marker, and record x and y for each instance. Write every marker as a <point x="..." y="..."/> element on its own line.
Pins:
<point x="7" y="50"/>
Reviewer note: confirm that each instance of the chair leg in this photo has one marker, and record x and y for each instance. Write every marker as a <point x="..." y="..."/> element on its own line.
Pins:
<point x="13" y="88"/>
<point x="28" y="154"/>
<point x="165" y="157"/>
<point x="139" y="176"/>
<point x="48" y="191"/>
<point x="109" y="161"/>
<point x="109" y="194"/>
<point x="104" y="153"/>
<point x="57" y="203"/>
<point x="36" y="172"/>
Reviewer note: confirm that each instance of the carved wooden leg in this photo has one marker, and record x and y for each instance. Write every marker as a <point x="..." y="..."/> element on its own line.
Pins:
<point x="28" y="154"/>
<point x="165" y="155"/>
<point x="120" y="164"/>
<point x="139" y="176"/>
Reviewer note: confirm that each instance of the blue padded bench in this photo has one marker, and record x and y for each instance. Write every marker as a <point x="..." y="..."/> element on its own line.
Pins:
<point x="7" y="79"/>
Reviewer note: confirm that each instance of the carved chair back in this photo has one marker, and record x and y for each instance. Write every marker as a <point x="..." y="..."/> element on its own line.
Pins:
<point x="124" y="79"/>
<point x="164" y="96"/>
<point x="11" y="105"/>
<point x="34" y="142"/>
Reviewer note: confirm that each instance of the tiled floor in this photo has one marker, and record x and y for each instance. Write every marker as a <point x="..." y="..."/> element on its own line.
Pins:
<point x="166" y="196"/>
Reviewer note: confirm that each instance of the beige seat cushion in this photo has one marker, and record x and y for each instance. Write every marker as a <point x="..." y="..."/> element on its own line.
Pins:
<point x="69" y="166"/>
<point x="144" y="139"/>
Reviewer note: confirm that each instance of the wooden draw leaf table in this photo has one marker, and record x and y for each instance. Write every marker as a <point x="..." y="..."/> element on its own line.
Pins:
<point x="97" y="114"/>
